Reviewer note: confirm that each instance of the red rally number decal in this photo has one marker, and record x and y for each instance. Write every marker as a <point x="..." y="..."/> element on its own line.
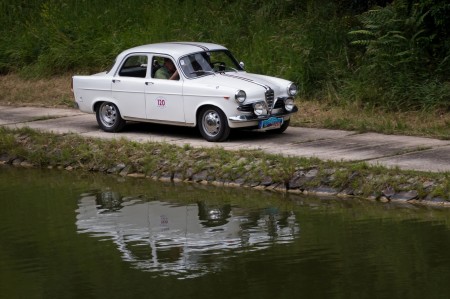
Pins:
<point x="161" y="102"/>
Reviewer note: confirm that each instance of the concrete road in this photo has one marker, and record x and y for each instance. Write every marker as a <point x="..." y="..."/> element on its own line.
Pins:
<point x="405" y="152"/>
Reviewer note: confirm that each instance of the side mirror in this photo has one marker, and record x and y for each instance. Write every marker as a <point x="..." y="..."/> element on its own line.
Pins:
<point x="242" y="65"/>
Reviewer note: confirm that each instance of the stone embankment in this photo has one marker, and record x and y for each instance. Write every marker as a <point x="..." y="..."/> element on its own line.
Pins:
<point x="316" y="180"/>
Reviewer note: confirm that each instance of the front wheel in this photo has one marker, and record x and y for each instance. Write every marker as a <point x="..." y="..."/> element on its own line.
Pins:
<point x="213" y="125"/>
<point x="108" y="117"/>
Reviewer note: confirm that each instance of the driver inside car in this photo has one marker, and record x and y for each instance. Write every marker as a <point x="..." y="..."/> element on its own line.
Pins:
<point x="167" y="71"/>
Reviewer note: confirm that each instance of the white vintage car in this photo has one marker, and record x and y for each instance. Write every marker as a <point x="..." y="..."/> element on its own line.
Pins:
<point x="186" y="84"/>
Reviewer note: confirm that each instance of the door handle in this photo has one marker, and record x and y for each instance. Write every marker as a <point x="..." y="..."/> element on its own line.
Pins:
<point x="115" y="81"/>
<point x="151" y="83"/>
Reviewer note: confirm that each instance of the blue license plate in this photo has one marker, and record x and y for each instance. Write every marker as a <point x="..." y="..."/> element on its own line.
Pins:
<point x="271" y="123"/>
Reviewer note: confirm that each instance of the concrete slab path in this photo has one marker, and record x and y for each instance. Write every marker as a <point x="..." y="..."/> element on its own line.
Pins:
<point x="405" y="152"/>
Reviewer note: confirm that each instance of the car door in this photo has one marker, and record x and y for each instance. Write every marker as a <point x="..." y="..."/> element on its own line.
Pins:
<point x="164" y="97"/>
<point x="128" y="86"/>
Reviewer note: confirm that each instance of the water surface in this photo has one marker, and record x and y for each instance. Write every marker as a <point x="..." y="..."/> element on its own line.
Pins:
<point x="78" y="235"/>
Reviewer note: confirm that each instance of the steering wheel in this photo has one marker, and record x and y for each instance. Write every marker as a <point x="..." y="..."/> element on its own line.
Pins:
<point x="218" y="66"/>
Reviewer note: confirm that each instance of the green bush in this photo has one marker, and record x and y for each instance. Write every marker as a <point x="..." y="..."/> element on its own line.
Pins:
<point x="399" y="64"/>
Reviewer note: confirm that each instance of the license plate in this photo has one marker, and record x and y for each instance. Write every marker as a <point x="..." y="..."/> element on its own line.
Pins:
<point x="270" y="123"/>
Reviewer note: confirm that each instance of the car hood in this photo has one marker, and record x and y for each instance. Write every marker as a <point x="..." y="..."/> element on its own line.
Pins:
<point x="252" y="84"/>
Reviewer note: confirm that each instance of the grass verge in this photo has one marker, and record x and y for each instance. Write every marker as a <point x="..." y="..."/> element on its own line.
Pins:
<point x="322" y="114"/>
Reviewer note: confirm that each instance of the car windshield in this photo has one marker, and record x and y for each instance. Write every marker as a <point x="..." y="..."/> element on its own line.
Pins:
<point x="208" y="63"/>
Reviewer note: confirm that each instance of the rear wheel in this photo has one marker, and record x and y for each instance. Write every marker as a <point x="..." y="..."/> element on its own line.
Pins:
<point x="109" y="118"/>
<point x="212" y="124"/>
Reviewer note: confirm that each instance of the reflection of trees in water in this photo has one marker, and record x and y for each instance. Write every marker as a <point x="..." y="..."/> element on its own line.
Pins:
<point x="187" y="240"/>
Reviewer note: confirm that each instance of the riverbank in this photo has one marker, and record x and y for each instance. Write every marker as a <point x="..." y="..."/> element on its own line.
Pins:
<point x="242" y="168"/>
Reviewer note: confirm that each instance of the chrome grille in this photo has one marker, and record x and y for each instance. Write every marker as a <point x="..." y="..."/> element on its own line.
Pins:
<point x="270" y="98"/>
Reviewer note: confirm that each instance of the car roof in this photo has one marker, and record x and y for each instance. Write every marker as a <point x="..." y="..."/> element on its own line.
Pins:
<point x="174" y="49"/>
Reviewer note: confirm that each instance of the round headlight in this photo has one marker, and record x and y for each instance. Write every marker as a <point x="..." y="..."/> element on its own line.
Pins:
<point x="259" y="108"/>
<point x="292" y="89"/>
<point x="289" y="104"/>
<point x="240" y="96"/>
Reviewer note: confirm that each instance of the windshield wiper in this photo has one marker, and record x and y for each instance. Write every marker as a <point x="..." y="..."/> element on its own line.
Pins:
<point x="227" y="69"/>
<point x="203" y="72"/>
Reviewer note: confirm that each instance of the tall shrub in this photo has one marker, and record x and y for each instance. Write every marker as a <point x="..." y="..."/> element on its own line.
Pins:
<point x="397" y="63"/>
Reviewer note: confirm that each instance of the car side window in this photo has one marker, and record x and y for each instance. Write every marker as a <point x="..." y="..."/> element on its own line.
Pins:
<point x="157" y="63"/>
<point x="164" y="68"/>
<point x="134" y="66"/>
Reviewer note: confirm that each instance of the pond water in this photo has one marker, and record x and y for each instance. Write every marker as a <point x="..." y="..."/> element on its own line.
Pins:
<point x="79" y="235"/>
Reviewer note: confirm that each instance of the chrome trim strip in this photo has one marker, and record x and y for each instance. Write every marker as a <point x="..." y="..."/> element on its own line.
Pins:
<point x="247" y="79"/>
<point x="191" y="44"/>
<point x="155" y="121"/>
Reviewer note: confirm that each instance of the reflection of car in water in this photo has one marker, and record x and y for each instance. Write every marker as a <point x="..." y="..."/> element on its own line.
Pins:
<point x="213" y="215"/>
<point x="174" y="239"/>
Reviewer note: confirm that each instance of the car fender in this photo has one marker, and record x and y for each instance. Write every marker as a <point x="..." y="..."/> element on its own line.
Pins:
<point x="89" y="90"/>
<point x="222" y="98"/>
<point x="97" y="101"/>
<point x="224" y="109"/>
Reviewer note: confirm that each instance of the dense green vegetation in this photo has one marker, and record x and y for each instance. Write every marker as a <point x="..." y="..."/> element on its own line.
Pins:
<point x="374" y="53"/>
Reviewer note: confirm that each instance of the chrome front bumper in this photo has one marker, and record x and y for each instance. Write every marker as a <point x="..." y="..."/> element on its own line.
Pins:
<point x="245" y="118"/>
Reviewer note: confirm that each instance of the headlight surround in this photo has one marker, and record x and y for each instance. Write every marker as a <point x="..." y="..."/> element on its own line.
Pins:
<point x="292" y="89"/>
<point x="259" y="108"/>
<point x="240" y="96"/>
<point x="289" y="104"/>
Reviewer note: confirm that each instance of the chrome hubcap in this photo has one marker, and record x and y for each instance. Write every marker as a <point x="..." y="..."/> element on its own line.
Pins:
<point x="211" y="123"/>
<point x="108" y="115"/>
